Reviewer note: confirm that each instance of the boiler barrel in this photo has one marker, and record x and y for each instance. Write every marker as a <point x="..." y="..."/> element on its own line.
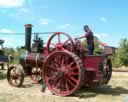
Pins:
<point x="31" y="59"/>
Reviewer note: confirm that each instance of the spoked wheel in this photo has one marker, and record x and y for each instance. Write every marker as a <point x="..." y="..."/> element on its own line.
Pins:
<point x="63" y="73"/>
<point x="108" y="71"/>
<point x="15" y="76"/>
<point x="59" y="41"/>
<point x="36" y="75"/>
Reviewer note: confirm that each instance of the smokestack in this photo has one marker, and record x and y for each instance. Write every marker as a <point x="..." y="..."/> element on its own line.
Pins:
<point x="28" y="32"/>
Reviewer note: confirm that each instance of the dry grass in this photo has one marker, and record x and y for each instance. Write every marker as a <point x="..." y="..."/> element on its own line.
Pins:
<point x="115" y="91"/>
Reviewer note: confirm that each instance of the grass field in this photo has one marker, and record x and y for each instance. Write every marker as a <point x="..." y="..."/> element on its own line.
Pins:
<point x="115" y="91"/>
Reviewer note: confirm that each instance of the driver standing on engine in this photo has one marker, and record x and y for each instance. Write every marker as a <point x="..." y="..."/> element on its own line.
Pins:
<point x="89" y="38"/>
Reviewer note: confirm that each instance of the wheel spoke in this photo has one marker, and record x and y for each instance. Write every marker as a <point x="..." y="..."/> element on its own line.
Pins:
<point x="62" y="84"/>
<point x="35" y="78"/>
<point x="59" y="42"/>
<point x="57" y="66"/>
<point x="72" y="68"/>
<point x="53" y="44"/>
<point x="14" y="71"/>
<point x="66" y="42"/>
<point x="69" y="65"/>
<point x="52" y="67"/>
<point x="56" y="62"/>
<point x="70" y="81"/>
<point x="15" y="81"/>
<point x="39" y="77"/>
<point x="66" y="60"/>
<point x="52" y="77"/>
<point x="62" y="61"/>
<point x="74" y="80"/>
<point x="17" y="73"/>
<point x="66" y="84"/>
<point x="58" y="84"/>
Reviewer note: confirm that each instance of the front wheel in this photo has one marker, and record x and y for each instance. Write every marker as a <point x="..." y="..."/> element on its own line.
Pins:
<point x="15" y="76"/>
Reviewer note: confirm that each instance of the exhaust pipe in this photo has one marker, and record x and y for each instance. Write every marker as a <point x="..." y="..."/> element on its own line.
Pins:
<point x="28" y="33"/>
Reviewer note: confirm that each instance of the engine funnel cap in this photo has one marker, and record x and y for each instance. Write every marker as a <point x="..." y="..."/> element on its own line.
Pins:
<point x="28" y="25"/>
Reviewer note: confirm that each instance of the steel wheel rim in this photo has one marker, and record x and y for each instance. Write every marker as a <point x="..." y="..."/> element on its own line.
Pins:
<point x="108" y="71"/>
<point x="15" y="76"/>
<point x="66" y="80"/>
<point x="60" y="45"/>
<point x="36" y="75"/>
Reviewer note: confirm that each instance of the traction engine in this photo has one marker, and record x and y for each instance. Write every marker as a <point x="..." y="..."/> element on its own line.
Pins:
<point x="63" y="64"/>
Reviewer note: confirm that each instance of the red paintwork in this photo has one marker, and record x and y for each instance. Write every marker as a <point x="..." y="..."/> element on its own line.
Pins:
<point x="60" y="45"/>
<point x="63" y="72"/>
<point x="92" y="65"/>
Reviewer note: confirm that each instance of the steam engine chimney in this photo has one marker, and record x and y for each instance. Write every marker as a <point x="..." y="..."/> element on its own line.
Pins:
<point x="28" y="32"/>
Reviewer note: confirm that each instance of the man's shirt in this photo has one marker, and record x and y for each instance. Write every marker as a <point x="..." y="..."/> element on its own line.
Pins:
<point x="90" y="38"/>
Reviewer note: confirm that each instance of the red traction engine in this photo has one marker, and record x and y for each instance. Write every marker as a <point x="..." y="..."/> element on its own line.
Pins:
<point x="64" y="64"/>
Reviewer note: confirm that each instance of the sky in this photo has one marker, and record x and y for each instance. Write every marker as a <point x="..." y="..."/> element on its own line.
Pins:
<point x="108" y="19"/>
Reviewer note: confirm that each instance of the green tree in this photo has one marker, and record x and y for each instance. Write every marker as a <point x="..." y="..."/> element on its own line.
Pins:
<point x="18" y="53"/>
<point x="123" y="52"/>
<point x="121" y="57"/>
<point x="9" y="51"/>
<point x="97" y="43"/>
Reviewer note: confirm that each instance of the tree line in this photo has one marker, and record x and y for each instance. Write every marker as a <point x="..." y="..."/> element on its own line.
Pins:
<point x="120" y="58"/>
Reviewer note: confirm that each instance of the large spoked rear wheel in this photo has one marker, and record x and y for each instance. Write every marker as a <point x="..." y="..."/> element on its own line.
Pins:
<point x="15" y="76"/>
<point x="63" y="73"/>
<point x="108" y="71"/>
